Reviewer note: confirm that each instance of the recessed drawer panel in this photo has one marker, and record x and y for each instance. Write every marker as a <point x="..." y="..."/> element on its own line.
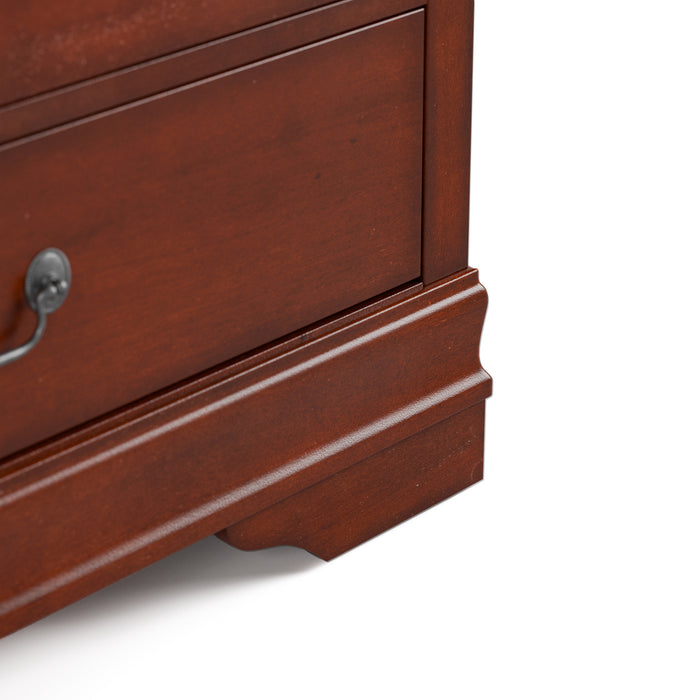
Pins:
<point x="209" y="220"/>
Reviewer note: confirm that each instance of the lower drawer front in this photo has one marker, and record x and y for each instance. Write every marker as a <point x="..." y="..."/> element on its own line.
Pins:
<point x="209" y="220"/>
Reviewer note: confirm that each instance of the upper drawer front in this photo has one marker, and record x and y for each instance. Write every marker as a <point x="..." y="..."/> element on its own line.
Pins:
<point x="44" y="45"/>
<point x="210" y="220"/>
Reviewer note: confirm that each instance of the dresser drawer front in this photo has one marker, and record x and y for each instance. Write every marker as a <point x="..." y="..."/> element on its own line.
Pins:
<point x="210" y="220"/>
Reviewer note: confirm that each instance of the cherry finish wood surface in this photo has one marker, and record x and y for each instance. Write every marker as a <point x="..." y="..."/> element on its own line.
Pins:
<point x="118" y="87"/>
<point x="154" y="402"/>
<point x="210" y="220"/>
<point x="272" y="332"/>
<point x="370" y="497"/>
<point x="46" y="45"/>
<point x="448" y="101"/>
<point x="74" y="520"/>
<point x="448" y="82"/>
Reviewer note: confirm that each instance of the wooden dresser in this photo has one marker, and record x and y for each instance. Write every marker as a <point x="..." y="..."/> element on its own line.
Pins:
<point x="234" y="289"/>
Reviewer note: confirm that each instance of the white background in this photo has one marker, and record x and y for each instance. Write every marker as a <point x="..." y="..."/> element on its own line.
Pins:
<point x="572" y="571"/>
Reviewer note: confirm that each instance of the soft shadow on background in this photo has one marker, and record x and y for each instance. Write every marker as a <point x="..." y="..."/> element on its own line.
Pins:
<point x="194" y="570"/>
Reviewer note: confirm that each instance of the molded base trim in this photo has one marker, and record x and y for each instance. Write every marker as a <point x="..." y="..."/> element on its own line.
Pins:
<point x="373" y="495"/>
<point x="357" y="414"/>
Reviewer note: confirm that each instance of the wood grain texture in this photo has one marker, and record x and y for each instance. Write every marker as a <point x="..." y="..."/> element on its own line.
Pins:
<point x="139" y="409"/>
<point x="370" y="497"/>
<point x="137" y="81"/>
<point x="45" y="47"/>
<point x="448" y="96"/>
<point x="74" y="520"/>
<point x="259" y="213"/>
<point x="211" y="220"/>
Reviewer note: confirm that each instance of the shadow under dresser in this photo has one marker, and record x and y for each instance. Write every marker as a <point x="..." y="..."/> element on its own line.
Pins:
<point x="234" y="289"/>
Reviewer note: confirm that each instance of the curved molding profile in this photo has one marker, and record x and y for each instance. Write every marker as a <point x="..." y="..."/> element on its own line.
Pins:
<point x="81" y="513"/>
<point x="374" y="495"/>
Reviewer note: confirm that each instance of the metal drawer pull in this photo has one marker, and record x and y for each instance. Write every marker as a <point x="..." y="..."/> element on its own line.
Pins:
<point x="46" y="287"/>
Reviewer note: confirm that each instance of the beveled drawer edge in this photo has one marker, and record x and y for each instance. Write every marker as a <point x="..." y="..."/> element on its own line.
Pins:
<point x="115" y="37"/>
<point x="34" y="116"/>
